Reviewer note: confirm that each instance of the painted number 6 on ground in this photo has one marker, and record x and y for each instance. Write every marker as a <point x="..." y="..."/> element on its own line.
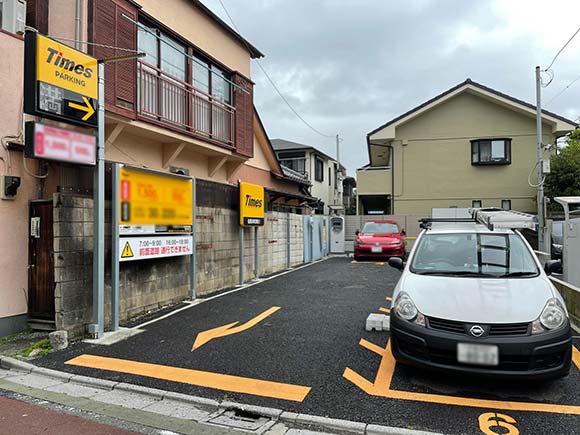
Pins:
<point x="491" y="420"/>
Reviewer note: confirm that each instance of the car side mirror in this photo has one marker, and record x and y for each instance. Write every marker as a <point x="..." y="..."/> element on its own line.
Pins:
<point x="357" y="232"/>
<point x="553" y="266"/>
<point x="397" y="263"/>
<point x="403" y="233"/>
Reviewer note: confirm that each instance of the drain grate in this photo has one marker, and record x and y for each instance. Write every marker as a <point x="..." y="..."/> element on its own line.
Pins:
<point x="240" y="419"/>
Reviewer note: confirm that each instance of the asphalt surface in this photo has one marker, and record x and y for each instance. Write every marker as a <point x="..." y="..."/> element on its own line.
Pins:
<point x="310" y="341"/>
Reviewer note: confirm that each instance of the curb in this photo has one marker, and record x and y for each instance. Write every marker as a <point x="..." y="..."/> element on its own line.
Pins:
<point x="276" y="415"/>
<point x="9" y="363"/>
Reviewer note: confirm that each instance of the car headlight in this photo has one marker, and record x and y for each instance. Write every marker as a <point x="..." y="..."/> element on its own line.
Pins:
<point x="553" y="317"/>
<point x="405" y="308"/>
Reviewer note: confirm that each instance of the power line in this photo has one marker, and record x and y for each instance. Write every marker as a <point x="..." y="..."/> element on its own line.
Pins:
<point x="562" y="49"/>
<point x="563" y="90"/>
<point x="274" y="84"/>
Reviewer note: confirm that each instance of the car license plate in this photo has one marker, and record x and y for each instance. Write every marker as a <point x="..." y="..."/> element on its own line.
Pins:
<point x="479" y="354"/>
<point x="376" y="249"/>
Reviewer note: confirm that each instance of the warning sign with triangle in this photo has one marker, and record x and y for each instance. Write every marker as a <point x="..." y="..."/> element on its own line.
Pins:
<point x="127" y="251"/>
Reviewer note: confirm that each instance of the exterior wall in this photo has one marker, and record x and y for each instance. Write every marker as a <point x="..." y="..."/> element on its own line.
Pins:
<point x="202" y="31"/>
<point x="61" y="20"/>
<point x="373" y="181"/>
<point x="14" y="222"/>
<point x="434" y="168"/>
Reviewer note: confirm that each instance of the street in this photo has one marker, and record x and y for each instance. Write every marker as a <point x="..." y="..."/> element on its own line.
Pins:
<point x="297" y="342"/>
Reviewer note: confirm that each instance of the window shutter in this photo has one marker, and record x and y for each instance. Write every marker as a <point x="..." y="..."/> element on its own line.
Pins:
<point x="108" y="27"/>
<point x="37" y="15"/>
<point x="244" y="104"/>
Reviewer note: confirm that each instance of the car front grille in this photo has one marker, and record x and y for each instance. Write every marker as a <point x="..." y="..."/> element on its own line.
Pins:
<point x="493" y="330"/>
<point x="446" y="325"/>
<point x="508" y="329"/>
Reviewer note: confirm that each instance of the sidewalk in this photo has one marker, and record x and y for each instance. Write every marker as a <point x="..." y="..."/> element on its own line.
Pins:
<point x="164" y="410"/>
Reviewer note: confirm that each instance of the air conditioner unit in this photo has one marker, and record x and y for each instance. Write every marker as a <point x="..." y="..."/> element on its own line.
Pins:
<point x="13" y="15"/>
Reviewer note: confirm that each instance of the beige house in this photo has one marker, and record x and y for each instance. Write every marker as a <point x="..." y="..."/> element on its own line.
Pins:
<point x="470" y="146"/>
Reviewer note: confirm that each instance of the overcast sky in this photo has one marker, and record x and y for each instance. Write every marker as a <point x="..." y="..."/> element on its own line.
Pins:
<point x="348" y="66"/>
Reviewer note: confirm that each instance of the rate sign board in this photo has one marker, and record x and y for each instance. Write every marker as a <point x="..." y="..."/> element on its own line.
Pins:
<point x="149" y="198"/>
<point x="60" y="83"/>
<point x="53" y="143"/>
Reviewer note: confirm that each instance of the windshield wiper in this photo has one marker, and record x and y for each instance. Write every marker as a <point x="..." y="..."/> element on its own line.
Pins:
<point x="472" y="273"/>
<point x="454" y="273"/>
<point x="512" y="274"/>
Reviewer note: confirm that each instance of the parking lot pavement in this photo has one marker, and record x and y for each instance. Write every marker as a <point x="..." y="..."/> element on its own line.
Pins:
<point x="297" y="342"/>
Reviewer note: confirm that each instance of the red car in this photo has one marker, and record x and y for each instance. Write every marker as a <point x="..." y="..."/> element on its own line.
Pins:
<point x="382" y="239"/>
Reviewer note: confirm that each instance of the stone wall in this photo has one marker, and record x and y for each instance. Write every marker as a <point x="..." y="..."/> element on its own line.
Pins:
<point x="149" y="284"/>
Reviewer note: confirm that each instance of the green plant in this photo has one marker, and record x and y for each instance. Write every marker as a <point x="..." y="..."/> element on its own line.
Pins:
<point x="44" y="346"/>
<point x="564" y="177"/>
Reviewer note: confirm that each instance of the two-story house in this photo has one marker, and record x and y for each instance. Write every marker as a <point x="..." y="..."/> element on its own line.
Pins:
<point x="321" y="170"/>
<point x="471" y="146"/>
<point x="185" y="107"/>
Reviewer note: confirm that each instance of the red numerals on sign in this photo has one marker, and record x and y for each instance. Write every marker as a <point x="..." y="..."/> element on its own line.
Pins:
<point x="125" y="190"/>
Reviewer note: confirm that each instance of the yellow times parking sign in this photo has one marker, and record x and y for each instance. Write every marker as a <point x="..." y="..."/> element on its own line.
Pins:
<point x="148" y="198"/>
<point x="60" y="83"/>
<point x="252" y="205"/>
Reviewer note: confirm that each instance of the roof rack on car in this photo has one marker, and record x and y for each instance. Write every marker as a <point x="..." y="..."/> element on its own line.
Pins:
<point x="492" y="218"/>
<point x="497" y="218"/>
<point x="425" y="223"/>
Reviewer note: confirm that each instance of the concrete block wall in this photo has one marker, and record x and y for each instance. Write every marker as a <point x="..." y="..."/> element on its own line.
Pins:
<point x="73" y="257"/>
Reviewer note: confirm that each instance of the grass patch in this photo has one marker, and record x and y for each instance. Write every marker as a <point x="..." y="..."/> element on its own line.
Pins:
<point x="14" y="336"/>
<point x="44" y="346"/>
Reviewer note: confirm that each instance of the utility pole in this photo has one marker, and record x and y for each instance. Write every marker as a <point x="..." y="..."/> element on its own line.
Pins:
<point x="540" y="200"/>
<point x="338" y="177"/>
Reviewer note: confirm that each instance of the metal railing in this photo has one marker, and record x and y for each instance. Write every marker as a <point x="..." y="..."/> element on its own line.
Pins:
<point x="168" y="100"/>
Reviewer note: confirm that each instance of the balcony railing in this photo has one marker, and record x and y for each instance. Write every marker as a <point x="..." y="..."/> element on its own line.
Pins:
<point x="177" y="104"/>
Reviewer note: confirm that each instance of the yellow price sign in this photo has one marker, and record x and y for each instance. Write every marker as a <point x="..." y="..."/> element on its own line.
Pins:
<point x="252" y="205"/>
<point x="147" y="198"/>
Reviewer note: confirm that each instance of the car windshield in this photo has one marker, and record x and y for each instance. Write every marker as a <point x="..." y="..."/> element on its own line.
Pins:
<point x="378" y="228"/>
<point x="473" y="254"/>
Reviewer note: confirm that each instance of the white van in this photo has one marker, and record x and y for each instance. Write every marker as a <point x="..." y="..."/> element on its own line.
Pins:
<point x="473" y="298"/>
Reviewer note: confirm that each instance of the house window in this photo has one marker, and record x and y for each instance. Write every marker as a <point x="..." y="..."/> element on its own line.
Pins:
<point x="165" y="87"/>
<point x="476" y="203"/>
<point x="298" y="165"/>
<point x="491" y="152"/>
<point x="319" y="169"/>
<point x="506" y="204"/>
<point x="329" y="176"/>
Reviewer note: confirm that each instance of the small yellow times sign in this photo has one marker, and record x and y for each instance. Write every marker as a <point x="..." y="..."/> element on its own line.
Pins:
<point x="252" y="205"/>
<point x="61" y="83"/>
<point x="154" y="199"/>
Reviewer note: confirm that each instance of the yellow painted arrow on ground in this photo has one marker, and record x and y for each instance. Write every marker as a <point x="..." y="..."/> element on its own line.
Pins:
<point x="225" y="330"/>
<point x="87" y="107"/>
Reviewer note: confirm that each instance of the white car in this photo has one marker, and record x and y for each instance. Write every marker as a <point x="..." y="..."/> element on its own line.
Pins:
<point x="475" y="300"/>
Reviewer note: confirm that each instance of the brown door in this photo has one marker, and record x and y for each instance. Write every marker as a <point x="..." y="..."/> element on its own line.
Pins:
<point x="41" y="262"/>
